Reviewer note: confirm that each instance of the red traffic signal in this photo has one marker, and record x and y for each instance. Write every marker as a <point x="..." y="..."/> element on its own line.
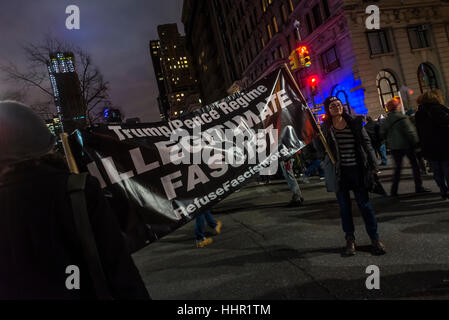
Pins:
<point x="313" y="81"/>
<point x="313" y="84"/>
<point x="303" y="50"/>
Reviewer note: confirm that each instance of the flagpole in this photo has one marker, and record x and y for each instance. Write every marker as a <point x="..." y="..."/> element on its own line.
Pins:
<point x="320" y="133"/>
<point x="73" y="167"/>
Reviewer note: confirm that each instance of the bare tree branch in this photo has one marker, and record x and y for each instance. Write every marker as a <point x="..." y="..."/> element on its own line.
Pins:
<point x="94" y="90"/>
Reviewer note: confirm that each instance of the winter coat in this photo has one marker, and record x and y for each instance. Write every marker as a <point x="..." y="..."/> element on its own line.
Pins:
<point x="38" y="239"/>
<point x="432" y="123"/>
<point x="365" y="155"/>
<point x="399" y="132"/>
<point x="373" y="130"/>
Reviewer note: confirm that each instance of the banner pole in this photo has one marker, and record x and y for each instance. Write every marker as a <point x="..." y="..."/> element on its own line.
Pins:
<point x="320" y="133"/>
<point x="73" y="167"/>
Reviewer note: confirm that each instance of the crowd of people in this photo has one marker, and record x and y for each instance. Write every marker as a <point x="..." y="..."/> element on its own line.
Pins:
<point x="39" y="235"/>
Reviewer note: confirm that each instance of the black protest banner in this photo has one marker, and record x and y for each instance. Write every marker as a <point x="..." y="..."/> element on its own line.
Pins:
<point x="158" y="176"/>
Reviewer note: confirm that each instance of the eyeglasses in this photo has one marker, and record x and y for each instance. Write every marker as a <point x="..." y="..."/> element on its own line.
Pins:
<point x="334" y="106"/>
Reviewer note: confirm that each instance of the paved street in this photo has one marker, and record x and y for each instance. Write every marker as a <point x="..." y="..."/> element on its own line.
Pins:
<point x="269" y="251"/>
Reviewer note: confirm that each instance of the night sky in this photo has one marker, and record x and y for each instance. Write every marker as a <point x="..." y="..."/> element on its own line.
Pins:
<point x="115" y="33"/>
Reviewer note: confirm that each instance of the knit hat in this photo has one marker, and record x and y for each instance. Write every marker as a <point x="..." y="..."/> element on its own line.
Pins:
<point x="23" y="135"/>
<point x="329" y="100"/>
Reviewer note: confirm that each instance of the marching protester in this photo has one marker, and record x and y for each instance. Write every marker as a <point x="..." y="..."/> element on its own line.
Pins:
<point x="419" y="155"/>
<point x="201" y="239"/>
<point x="383" y="147"/>
<point x="39" y="237"/>
<point x="355" y="164"/>
<point x="402" y="139"/>
<point x="432" y="122"/>
<point x="373" y="129"/>
<point x="314" y="157"/>
<point x="287" y="170"/>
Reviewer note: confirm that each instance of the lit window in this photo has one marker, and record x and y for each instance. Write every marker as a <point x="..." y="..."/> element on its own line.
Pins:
<point x="275" y="25"/>
<point x="270" y="34"/>
<point x="291" y="5"/>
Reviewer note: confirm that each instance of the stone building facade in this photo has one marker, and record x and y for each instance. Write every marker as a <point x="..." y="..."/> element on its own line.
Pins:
<point x="409" y="54"/>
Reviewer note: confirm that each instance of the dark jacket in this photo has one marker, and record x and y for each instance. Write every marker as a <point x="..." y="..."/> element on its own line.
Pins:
<point x="373" y="129"/>
<point x="432" y="123"/>
<point x="365" y="154"/>
<point x="38" y="239"/>
<point x="399" y="132"/>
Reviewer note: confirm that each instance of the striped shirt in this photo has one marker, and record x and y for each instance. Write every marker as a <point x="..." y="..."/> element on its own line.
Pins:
<point x="346" y="145"/>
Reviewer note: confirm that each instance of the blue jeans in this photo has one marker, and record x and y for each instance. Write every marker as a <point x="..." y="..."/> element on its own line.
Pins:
<point x="199" y="224"/>
<point x="352" y="180"/>
<point x="383" y="154"/>
<point x="315" y="165"/>
<point x="441" y="175"/>
<point x="291" y="180"/>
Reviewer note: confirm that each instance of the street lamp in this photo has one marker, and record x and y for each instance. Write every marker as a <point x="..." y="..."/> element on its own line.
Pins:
<point x="297" y="24"/>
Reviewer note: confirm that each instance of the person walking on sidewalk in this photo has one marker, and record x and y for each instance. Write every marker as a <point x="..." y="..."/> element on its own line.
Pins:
<point x="402" y="139"/>
<point x="201" y="239"/>
<point x="373" y="129"/>
<point x="355" y="164"/>
<point x="39" y="238"/>
<point x="289" y="175"/>
<point x="313" y="155"/>
<point x="432" y="123"/>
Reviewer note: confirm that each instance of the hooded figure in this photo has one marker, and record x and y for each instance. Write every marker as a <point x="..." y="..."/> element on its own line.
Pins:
<point x="38" y="238"/>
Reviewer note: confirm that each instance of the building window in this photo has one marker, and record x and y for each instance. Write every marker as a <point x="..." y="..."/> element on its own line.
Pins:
<point x="327" y="13"/>
<point x="378" y="42"/>
<point x="386" y="86"/>
<point x="309" y="23"/>
<point x="290" y="4"/>
<point x="264" y="5"/>
<point x="275" y="25"/>
<point x="330" y="60"/>
<point x="269" y="32"/>
<point x="284" y="13"/>
<point x="281" y="52"/>
<point x="317" y="16"/>
<point x="419" y="37"/>
<point x="427" y="78"/>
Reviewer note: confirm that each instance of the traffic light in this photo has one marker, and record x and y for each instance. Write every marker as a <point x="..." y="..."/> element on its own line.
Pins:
<point x="304" y="56"/>
<point x="294" y="60"/>
<point x="313" y="84"/>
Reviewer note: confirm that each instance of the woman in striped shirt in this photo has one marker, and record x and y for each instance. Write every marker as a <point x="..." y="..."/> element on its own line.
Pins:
<point x="355" y="164"/>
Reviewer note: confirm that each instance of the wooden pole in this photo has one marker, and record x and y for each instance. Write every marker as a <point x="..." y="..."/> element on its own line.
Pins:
<point x="320" y="133"/>
<point x="68" y="154"/>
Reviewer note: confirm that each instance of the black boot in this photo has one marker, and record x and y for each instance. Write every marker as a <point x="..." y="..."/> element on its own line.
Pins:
<point x="350" y="248"/>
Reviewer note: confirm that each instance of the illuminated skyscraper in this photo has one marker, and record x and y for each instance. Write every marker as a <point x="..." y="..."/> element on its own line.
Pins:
<point x="178" y="90"/>
<point x="67" y="91"/>
<point x="162" y="99"/>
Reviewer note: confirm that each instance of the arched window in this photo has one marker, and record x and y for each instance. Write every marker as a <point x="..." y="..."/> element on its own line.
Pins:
<point x="386" y="86"/>
<point x="427" y="78"/>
